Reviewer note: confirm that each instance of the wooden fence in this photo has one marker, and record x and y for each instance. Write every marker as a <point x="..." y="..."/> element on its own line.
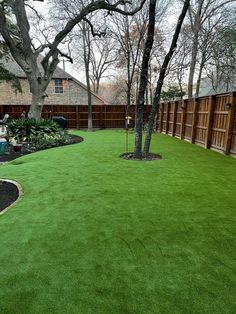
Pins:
<point x="104" y="116"/>
<point x="207" y="121"/>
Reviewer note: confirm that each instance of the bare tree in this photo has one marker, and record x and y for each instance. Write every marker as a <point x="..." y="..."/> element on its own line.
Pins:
<point x="129" y="33"/>
<point x="157" y="96"/>
<point x="144" y="80"/>
<point x="200" y="12"/>
<point x="221" y="65"/>
<point x="86" y="58"/>
<point x="15" y="30"/>
<point x="103" y="58"/>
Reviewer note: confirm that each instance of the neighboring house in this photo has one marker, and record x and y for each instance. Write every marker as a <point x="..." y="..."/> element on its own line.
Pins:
<point x="63" y="89"/>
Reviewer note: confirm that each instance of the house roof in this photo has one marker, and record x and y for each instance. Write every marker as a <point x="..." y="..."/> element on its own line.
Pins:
<point x="10" y="64"/>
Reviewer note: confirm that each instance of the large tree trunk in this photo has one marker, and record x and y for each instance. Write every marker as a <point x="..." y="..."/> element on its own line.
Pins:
<point x="37" y="90"/>
<point x="143" y="81"/>
<point x="157" y="96"/>
<point x="36" y="105"/>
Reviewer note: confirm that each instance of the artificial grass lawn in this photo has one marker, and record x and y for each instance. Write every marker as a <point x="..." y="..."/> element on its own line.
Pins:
<point x="98" y="234"/>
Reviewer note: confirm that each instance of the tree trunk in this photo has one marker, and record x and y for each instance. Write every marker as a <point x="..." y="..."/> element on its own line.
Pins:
<point x="144" y="80"/>
<point x="200" y="76"/>
<point x="90" y="112"/>
<point x="128" y="103"/>
<point x="87" y="58"/>
<point x="164" y="66"/>
<point x="36" y="105"/>
<point x="38" y="96"/>
<point x="192" y="65"/>
<point x="196" y="25"/>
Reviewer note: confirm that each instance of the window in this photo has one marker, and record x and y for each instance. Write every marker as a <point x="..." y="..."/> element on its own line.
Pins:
<point x="58" y="86"/>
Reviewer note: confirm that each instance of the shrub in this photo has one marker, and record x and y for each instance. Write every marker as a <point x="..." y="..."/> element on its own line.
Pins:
<point x="45" y="141"/>
<point x="25" y="130"/>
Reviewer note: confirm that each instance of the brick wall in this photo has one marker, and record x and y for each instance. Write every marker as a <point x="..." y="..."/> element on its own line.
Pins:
<point x="73" y="94"/>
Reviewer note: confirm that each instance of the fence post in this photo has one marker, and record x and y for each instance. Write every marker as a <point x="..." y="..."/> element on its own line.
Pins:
<point x="174" y="117"/>
<point x="183" y="119"/>
<point x="167" y="117"/>
<point x="230" y="122"/>
<point x="77" y="117"/>
<point x="194" y="121"/>
<point x="211" y="106"/>
<point x="101" y="120"/>
<point x="161" y="117"/>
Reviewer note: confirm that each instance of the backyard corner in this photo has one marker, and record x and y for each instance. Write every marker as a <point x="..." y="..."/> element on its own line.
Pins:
<point x="95" y="233"/>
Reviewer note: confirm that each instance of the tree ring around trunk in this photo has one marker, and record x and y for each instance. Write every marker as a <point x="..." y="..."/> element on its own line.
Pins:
<point x="10" y="193"/>
<point x="149" y="157"/>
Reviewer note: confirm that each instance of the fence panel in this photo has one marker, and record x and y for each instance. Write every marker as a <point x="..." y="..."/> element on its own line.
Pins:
<point x="201" y="121"/>
<point x="233" y="142"/>
<point x="188" y="121"/>
<point x="219" y="122"/>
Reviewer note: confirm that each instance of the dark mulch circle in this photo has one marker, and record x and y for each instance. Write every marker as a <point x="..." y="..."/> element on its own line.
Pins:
<point x="9" y="193"/>
<point x="74" y="139"/>
<point x="149" y="157"/>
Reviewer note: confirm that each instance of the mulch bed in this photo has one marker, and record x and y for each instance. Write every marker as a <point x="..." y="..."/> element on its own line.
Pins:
<point x="74" y="139"/>
<point x="9" y="192"/>
<point x="149" y="157"/>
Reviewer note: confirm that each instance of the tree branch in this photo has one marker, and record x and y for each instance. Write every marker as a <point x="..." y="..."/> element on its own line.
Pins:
<point x="94" y="6"/>
<point x="101" y="34"/>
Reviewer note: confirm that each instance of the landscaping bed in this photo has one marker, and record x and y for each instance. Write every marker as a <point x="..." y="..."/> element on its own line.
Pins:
<point x="11" y="154"/>
<point x="9" y="193"/>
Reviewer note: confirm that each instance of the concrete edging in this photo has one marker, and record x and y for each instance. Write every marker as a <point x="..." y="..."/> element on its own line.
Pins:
<point x="20" y="190"/>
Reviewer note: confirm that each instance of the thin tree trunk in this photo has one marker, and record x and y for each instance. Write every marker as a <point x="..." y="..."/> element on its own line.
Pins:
<point x="144" y="80"/>
<point x="90" y="112"/>
<point x="87" y="54"/>
<point x="196" y="28"/>
<point x="200" y="76"/>
<point x="192" y="65"/>
<point x="157" y="95"/>
<point x="128" y="103"/>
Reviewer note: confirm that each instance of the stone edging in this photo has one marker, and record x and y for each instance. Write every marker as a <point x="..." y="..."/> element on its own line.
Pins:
<point x="20" y="190"/>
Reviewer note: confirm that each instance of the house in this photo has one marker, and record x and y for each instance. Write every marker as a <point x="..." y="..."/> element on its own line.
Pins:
<point x="63" y="89"/>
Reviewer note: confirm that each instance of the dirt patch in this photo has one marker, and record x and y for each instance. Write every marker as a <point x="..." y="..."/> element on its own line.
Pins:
<point x="9" y="193"/>
<point x="149" y="157"/>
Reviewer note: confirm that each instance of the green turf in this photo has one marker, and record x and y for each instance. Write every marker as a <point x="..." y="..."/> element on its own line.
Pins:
<point x="98" y="234"/>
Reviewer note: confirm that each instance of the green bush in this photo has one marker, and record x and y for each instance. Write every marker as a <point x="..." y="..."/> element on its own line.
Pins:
<point x="45" y="141"/>
<point x="25" y="130"/>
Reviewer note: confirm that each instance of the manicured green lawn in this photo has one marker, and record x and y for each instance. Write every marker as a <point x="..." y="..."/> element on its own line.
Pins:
<point x="97" y="234"/>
